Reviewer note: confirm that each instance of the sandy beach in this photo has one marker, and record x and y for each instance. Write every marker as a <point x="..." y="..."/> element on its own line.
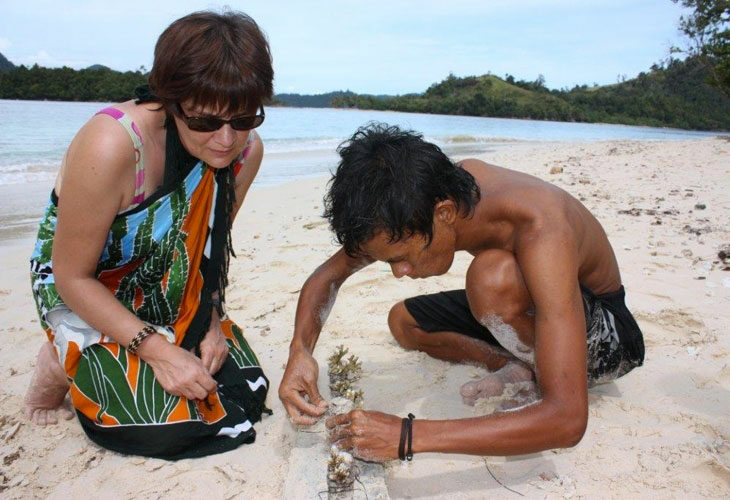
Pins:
<point x="663" y="430"/>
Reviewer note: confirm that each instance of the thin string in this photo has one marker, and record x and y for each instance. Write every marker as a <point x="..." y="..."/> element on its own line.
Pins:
<point x="500" y="482"/>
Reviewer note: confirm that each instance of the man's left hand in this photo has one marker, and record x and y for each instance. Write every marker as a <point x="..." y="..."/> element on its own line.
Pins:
<point x="367" y="435"/>
<point x="213" y="348"/>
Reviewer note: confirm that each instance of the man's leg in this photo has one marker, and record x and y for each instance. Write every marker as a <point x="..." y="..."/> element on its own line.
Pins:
<point x="499" y="300"/>
<point x="46" y="396"/>
<point x="457" y="347"/>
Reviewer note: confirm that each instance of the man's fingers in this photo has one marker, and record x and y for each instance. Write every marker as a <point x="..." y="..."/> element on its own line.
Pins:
<point x="336" y="420"/>
<point x="296" y="416"/>
<point x="315" y="410"/>
<point x="316" y="399"/>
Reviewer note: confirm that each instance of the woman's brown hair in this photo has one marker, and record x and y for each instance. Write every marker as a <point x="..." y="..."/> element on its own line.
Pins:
<point x="213" y="60"/>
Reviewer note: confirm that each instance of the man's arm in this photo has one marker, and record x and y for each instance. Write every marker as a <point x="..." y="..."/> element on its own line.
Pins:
<point x="549" y="267"/>
<point x="315" y="301"/>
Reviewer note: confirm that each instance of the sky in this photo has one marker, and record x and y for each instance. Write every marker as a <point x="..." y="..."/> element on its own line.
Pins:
<point x="373" y="46"/>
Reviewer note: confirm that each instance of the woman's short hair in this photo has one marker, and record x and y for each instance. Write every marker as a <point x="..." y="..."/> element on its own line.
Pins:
<point x="390" y="180"/>
<point x="211" y="59"/>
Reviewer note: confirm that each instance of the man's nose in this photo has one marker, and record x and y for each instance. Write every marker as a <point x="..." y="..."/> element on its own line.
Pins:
<point x="400" y="269"/>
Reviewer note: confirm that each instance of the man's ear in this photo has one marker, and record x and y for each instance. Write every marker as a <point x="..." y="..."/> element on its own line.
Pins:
<point x="445" y="211"/>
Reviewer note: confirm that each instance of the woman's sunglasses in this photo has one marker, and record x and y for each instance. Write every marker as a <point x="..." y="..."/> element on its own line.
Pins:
<point x="209" y="123"/>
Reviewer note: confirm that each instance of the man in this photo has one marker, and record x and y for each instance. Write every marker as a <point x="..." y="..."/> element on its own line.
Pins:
<point x="543" y="295"/>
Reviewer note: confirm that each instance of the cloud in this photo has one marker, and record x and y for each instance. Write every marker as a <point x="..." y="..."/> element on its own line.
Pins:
<point x="4" y="43"/>
<point x="43" y="58"/>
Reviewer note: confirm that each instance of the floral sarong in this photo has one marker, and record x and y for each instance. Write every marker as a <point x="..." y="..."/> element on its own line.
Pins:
<point x="159" y="262"/>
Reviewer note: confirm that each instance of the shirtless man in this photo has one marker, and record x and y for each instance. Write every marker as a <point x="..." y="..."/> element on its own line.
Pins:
<point x="543" y="298"/>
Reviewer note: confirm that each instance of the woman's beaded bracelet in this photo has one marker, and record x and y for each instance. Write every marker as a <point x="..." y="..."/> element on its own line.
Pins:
<point x="137" y="340"/>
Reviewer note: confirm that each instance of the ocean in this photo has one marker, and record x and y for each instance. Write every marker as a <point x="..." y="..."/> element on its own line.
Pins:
<point x="299" y="142"/>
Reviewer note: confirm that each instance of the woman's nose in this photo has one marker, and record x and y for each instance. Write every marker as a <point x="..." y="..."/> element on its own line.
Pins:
<point x="225" y="136"/>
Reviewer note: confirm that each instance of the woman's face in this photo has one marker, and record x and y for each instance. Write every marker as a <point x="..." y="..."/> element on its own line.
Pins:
<point x="218" y="148"/>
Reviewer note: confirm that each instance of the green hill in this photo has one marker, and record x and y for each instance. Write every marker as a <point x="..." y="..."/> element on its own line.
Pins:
<point x="5" y="65"/>
<point x="675" y="95"/>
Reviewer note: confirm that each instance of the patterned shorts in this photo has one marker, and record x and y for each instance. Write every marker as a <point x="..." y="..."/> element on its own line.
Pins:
<point x="614" y="340"/>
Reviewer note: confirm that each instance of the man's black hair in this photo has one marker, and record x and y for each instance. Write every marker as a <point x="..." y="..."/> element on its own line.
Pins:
<point x="390" y="180"/>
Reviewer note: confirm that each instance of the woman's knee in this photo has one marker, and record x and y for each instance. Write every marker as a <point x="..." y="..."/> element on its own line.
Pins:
<point x="403" y="326"/>
<point x="495" y="286"/>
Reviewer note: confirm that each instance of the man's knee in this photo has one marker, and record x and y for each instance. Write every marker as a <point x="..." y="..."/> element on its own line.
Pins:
<point x="403" y="326"/>
<point x="494" y="286"/>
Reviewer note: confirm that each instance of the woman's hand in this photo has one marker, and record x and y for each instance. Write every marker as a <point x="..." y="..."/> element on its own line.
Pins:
<point x="368" y="435"/>
<point x="179" y="372"/>
<point x="213" y="348"/>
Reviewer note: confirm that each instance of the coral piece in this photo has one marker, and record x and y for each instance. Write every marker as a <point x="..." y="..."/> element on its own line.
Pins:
<point x="343" y="373"/>
<point x="339" y="468"/>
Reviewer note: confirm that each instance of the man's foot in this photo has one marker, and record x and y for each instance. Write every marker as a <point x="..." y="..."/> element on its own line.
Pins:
<point x="46" y="396"/>
<point x="493" y="384"/>
<point x="525" y="396"/>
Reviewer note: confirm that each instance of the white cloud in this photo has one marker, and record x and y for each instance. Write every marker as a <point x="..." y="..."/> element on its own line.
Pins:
<point x="42" y="58"/>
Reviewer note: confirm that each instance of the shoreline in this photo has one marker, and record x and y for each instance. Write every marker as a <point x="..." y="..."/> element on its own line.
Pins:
<point x="661" y="430"/>
<point x="720" y="132"/>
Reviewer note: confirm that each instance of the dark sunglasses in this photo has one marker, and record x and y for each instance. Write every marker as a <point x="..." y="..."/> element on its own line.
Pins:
<point x="209" y="123"/>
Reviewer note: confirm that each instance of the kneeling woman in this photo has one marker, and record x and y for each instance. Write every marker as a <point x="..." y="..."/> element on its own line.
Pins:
<point x="130" y="267"/>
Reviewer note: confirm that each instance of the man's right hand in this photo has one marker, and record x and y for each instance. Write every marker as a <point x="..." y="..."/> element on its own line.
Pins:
<point x="300" y="379"/>
<point x="179" y="372"/>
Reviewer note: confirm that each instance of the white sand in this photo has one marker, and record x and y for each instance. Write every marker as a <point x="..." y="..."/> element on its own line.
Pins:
<point x="662" y="430"/>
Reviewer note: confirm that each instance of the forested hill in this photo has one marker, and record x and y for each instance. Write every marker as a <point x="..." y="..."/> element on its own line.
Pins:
<point x="5" y="65"/>
<point x="312" y="101"/>
<point x="673" y="95"/>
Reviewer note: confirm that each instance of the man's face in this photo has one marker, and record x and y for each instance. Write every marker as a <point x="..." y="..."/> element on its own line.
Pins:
<point x="411" y="256"/>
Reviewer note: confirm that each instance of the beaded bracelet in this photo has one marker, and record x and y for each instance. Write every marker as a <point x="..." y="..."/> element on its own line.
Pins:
<point x="137" y="340"/>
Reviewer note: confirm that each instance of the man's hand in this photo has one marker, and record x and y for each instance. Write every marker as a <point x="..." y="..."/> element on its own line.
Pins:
<point x="300" y="379"/>
<point x="368" y="435"/>
<point x="213" y="348"/>
<point x="179" y="372"/>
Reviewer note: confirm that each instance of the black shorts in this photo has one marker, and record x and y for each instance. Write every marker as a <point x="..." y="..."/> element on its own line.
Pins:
<point x="615" y="342"/>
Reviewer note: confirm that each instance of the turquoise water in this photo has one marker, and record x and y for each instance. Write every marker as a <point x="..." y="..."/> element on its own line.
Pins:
<point x="299" y="142"/>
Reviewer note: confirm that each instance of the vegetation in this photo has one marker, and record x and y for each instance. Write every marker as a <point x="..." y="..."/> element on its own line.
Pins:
<point x="96" y="83"/>
<point x="311" y="101"/>
<point x="708" y="30"/>
<point x="5" y="65"/>
<point x="674" y="94"/>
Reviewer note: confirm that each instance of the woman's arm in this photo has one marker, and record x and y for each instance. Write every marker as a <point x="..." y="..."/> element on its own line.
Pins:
<point x="99" y="164"/>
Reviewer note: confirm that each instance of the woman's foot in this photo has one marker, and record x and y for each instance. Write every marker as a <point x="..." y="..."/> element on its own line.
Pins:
<point x="493" y="384"/>
<point x="46" y="396"/>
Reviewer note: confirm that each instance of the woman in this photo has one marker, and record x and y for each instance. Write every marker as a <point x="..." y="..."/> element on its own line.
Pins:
<point x="130" y="266"/>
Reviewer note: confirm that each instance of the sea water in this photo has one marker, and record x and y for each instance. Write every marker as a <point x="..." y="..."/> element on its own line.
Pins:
<point x="299" y="142"/>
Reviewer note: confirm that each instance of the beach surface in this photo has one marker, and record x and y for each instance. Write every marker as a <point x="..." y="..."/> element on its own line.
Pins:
<point x="662" y="430"/>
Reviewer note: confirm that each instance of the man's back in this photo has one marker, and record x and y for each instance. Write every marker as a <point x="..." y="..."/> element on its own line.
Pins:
<point x="516" y="209"/>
